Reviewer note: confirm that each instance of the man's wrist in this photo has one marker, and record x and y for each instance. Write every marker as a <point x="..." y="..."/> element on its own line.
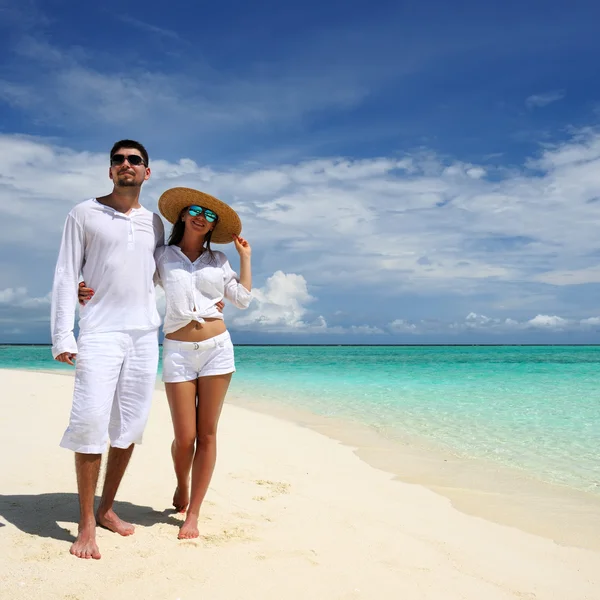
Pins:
<point x="66" y="344"/>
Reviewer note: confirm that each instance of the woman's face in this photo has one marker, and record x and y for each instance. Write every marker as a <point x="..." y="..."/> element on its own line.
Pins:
<point x="198" y="219"/>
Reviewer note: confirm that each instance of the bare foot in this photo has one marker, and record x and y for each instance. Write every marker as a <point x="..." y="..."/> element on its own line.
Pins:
<point x="85" y="545"/>
<point x="181" y="499"/>
<point x="109" y="520"/>
<point x="189" y="529"/>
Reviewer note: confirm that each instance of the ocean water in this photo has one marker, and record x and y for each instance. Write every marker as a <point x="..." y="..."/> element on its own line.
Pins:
<point x="533" y="408"/>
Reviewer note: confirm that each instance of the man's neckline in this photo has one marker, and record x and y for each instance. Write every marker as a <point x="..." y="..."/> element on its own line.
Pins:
<point x="127" y="214"/>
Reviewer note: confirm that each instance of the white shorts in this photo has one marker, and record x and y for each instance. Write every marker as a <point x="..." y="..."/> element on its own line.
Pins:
<point x="115" y="377"/>
<point x="186" y="361"/>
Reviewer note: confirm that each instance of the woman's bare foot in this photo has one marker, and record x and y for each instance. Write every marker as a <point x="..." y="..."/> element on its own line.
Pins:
<point x="85" y="545"/>
<point x="181" y="498"/>
<point x="109" y="520"/>
<point x="189" y="529"/>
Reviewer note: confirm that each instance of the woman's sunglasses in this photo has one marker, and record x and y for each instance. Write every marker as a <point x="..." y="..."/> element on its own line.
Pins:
<point x="133" y="159"/>
<point x="209" y="215"/>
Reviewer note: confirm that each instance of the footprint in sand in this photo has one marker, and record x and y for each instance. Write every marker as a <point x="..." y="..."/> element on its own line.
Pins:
<point x="276" y="488"/>
<point x="234" y="534"/>
<point x="229" y="535"/>
<point x="308" y="555"/>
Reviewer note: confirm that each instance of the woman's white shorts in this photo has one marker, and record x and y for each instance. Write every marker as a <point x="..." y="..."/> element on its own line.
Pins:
<point x="115" y="377"/>
<point x="186" y="361"/>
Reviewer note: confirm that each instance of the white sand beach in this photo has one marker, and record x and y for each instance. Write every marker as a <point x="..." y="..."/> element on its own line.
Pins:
<point x="291" y="513"/>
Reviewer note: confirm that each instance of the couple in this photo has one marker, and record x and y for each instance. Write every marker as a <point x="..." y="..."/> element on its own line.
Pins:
<point x="118" y="247"/>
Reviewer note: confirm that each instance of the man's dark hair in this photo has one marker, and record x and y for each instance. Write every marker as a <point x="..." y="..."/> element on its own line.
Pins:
<point x="131" y="144"/>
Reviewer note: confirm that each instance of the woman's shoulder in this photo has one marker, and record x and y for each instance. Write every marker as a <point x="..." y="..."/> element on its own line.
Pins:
<point x="218" y="257"/>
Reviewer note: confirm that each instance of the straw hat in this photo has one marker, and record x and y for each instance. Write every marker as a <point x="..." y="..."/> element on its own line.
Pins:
<point x="173" y="201"/>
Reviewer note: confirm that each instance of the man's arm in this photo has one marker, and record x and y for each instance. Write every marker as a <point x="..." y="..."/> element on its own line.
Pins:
<point x="159" y="231"/>
<point x="159" y="245"/>
<point x="64" y="291"/>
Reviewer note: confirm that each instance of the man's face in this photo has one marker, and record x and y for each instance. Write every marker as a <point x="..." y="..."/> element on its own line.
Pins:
<point x="124" y="172"/>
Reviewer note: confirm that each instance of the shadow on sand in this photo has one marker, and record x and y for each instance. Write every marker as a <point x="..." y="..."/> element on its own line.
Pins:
<point x="40" y="514"/>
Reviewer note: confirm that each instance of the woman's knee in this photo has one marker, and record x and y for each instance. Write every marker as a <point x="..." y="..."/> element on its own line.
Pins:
<point x="205" y="439"/>
<point x="185" y="441"/>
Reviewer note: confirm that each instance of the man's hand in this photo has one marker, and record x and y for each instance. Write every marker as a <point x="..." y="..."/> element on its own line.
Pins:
<point x="66" y="357"/>
<point x="84" y="293"/>
<point x="220" y="305"/>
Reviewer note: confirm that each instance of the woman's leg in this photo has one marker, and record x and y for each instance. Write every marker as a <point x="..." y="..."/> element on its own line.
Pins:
<point x="182" y="402"/>
<point x="211" y="394"/>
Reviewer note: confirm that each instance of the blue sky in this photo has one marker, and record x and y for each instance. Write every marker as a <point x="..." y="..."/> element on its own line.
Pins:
<point x="406" y="174"/>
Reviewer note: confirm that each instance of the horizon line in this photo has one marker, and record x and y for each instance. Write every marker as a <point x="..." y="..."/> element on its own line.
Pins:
<point x="465" y="344"/>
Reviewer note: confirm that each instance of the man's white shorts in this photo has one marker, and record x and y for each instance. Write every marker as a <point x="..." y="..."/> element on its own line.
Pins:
<point x="186" y="361"/>
<point x="114" y="382"/>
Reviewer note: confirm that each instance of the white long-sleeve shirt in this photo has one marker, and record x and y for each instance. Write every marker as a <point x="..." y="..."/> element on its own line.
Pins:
<point x="192" y="289"/>
<point x="114" y="253"/>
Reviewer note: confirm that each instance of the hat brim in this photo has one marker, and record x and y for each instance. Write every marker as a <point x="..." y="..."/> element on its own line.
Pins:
<point x="174" y="200"/>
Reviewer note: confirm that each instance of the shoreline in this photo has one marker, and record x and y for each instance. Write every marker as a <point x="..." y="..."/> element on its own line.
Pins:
<point x="476" y="487"/>
<point x="479" y="488"/>
<point x="290" y="510"/>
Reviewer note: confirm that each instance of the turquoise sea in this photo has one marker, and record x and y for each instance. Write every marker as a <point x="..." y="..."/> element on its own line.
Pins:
<point x="534" y="408"/>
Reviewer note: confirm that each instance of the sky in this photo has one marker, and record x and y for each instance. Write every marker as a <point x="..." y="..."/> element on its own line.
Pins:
<point x="404" y="174"/>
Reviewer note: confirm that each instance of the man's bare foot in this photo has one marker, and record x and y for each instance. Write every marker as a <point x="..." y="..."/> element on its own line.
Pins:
<point x="109" y="520"/>
<point x="85" y="545"/>
<point x="181" y="499"/>
<point x="189" y="529"/>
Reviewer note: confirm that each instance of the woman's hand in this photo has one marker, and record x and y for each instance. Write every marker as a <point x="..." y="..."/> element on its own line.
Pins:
<point x="84" y="293"/>
<point x="244" y="250"/>
<point x="242" y="246"/>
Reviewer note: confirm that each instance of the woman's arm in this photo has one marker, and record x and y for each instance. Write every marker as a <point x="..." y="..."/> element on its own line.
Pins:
<point x="244" y="250"/>
<point x="239" y="290"/>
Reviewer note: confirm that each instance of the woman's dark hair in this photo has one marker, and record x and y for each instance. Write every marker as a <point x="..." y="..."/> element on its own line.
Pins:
<point x="177" y="234"/>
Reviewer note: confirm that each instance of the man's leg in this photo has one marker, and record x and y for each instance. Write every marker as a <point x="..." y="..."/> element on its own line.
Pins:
<point x="128" y="419"/>
<point x="118" y="459"/>
<point x="87" y="468"/>
<point x="99" y="361"/>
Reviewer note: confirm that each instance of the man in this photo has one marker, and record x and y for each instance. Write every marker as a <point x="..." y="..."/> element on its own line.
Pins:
<point x="111" y="242"/>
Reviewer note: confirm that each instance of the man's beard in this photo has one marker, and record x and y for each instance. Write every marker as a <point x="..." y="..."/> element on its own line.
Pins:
<point x="123" y="181"/>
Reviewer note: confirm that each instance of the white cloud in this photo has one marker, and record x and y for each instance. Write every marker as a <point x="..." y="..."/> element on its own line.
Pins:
<point x="65" y="88"/>
<point x="402" y="326"/>
<point x="478" y="323"/>
<point x="327" y="67"/>
<point x="19" y="311"/>
<point x="541" y="100"/>
<point x="280" y="306"/>
<point x="18" y="297"/>
<point x="571" y="277"/>
<point x="366" y="330"/>
<point x="415" y="225"/>
<point x="547" y="322"/>
<point x="155" y="30"/>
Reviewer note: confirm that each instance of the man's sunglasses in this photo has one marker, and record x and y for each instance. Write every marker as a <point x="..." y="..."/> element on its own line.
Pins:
<point x="134" y="160"/>
<point x="209" y="215"/>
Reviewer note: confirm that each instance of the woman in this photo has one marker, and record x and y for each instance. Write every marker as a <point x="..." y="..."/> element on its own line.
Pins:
<point x="198" y="356"/>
